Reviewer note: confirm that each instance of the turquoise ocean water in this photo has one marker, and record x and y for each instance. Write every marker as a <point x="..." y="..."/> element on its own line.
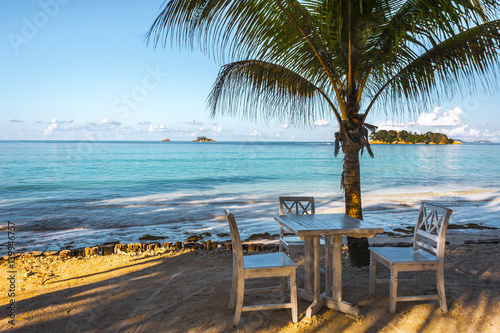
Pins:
<point x="73" y="194"/>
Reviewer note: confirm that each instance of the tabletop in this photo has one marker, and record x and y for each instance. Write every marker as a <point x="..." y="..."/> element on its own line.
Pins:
<point x="328" y="224"/>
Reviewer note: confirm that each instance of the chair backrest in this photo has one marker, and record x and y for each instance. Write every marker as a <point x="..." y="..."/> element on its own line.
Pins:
<point x="235" y="241"/>
<point x="296" y="205"/>
<point x="430" y="230"/>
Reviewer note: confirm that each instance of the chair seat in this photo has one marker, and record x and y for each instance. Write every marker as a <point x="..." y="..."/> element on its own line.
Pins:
<point x="268" y="260"/>
<point x="404" y="255"/>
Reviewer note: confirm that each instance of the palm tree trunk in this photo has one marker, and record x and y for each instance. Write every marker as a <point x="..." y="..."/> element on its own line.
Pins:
<point x="358" y="247"/>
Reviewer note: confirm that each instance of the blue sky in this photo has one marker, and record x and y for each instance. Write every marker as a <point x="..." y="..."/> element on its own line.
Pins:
<point x="80" y="70"/>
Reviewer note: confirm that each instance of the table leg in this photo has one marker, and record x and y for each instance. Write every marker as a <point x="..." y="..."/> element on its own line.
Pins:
<point x="328" y="265"/>
<point x="337" y="268"/>
<point x="335" y="302"/>
<point x="317" y="276"/>
<point x="308" y="265"/>
<point x="317" y="300"/>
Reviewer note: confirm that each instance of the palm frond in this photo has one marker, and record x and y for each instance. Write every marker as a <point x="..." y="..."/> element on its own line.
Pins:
<point x="258" y="90"/>
<point x="455" y="65"/>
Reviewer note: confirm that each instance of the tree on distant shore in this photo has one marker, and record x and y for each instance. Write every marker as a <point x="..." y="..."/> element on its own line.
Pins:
<point x="300" y="61"/>
<point x="407" y="137"/>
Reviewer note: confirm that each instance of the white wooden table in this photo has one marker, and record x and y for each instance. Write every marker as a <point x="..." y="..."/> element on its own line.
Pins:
<point x="332" y="226"/>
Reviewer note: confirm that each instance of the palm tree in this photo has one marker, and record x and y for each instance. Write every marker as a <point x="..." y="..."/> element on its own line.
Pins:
<point x="301" y="60"/>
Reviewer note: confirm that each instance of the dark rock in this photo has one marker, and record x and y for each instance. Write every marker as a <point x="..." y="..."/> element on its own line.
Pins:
<point x="265" y="235"/>
<point x="494" y="240"/>
<point x="91" y="251"/>
<point x="406" y="231"/>
<point x="135" y="247"/>
<point x="77" y="252"/>
<point x="153" y="246"/>
<point x="167" y="245"/>
<point x="65" y="253"/>
<point x="106" y="250"/>
<point x="121" y="247"/>
<point x="191" y="245"/>
<point x="148" y="237"/>
<point x="194" y="238"/>
<point x="112" y="243"/>
<point x="32" y="254"/>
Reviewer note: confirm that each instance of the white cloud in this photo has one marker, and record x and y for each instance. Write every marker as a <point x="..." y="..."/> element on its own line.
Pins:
<point x="438" y="118"/>
<point x="158" y="128"/>
<point x="108" y="121"/>
<point x="487" y="131"/>
<point x="461" y="131"/>
<point x="286" y="125"/>
<point x="195" y="122"/>
<point x="254" y="133"/>
<point x="52" y="127"/>
<point x="322" y="122"/>
<point x="60" y="122"/>
<point x="144" y="122"/>
<point x="217" y="129"/>
<point x="277" y="135"/>
<point x="17" y="121"/>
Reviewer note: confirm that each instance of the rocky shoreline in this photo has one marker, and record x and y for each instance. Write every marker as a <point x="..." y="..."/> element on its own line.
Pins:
<point x="253" y="245"/>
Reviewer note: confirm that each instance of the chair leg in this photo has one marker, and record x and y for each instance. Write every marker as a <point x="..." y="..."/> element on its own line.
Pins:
<point x="393" y="290"/>
<point x="239" y="300"/>
<point x="291" y="252"/>
<point x="373" y="271"/>
<point x="293" y="297"/>
<point x="282" y="233"/>
<point x="234" y="287"/>
<point x="440" y="288"/>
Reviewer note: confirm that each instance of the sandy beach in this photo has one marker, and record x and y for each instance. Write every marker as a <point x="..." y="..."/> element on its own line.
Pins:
<point x="188" y="291"/>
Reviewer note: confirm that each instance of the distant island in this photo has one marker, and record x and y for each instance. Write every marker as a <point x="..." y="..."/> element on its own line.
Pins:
<point x="203" y="139"/>
<point x="482" y="141"/>
<point x="405" y="137"/>
<point x="165" y="140"/>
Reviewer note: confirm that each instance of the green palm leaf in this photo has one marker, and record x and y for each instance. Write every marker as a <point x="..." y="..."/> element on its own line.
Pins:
<point x="260" y="90"/>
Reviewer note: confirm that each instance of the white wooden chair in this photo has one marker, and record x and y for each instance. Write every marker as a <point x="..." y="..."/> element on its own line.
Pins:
<point x="426" y="254"/>
<point x="294" y="205"/>
<point x="259" y="266"/>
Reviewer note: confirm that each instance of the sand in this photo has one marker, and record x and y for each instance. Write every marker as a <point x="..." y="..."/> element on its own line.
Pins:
<point x="188" y="291"/>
